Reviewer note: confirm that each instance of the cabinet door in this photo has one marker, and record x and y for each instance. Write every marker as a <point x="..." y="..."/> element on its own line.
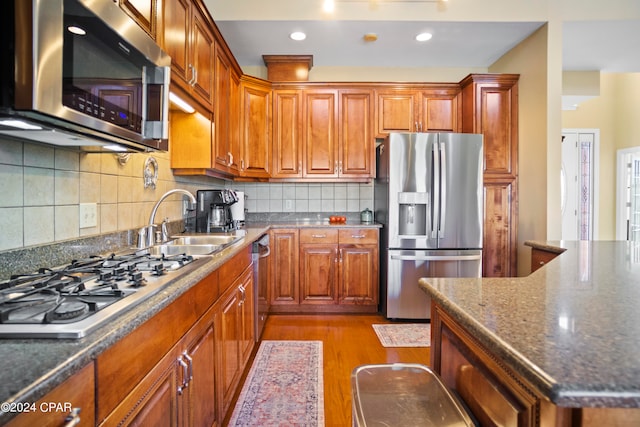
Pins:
<point x="357" y="153"/>
<point x="177" y="23"/>
<point x="229" y="366"/>
<point x="154" y="400"/>
<point x="287" y="134"/>
<point x="247" y="300"/>
<point x="321" y="136"/>
<point x="439" y="112"/>
<point x="202" y="47"/>
<point x="235" y="146"/>
<point x="318" y="273"/>
<point x="144" y="13"/>
<point x="256" y="133"/>
<point x="222" y="111"/>
<point x="78" y="391"/>
<point x="396" y="111"/>
<point x="358" y="274"/>
<point x="198" y="403"/>
<point x="284" y="267"/>
<point x="498" y="253"/>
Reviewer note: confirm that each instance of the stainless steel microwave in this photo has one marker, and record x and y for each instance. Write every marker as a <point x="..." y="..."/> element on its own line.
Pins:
<point x="81" y="73"/>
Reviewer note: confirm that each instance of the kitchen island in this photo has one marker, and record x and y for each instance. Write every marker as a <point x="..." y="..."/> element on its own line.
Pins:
<point x="558" y="347"/>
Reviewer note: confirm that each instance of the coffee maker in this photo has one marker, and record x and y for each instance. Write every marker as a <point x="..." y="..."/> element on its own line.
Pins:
<point x="214" y="210"/>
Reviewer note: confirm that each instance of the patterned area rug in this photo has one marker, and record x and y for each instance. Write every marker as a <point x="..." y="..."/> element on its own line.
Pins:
<point x="404" y="334"/>
<point x="284" y="386"/>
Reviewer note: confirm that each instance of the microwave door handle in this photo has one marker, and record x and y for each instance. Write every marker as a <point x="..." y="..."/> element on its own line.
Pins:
<point x="157" y="76"/>
<point x="435" y="206"/>
<point x="443" y="189"/>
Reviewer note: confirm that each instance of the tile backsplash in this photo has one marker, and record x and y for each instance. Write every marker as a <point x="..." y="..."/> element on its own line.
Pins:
<point x="44" y="186"/>
<point x="306" y="197"/>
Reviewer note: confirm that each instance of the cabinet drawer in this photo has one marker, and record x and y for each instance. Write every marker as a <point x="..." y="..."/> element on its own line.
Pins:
<point x="359" y="236"/>
<point x="318" y="235"/>
<point x="540" y="257"/>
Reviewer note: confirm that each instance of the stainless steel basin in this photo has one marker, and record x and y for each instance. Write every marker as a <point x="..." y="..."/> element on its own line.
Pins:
<point x="204" y="240"/>
<point x="175" y="249"/>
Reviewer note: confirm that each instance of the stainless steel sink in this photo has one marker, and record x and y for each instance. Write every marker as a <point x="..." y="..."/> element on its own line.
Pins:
<point x="196" y="244"/>
<point x="175" y="249"/>
<point x="223" y="239"/>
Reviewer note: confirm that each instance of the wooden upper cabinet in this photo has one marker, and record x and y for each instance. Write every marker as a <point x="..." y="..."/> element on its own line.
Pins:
<point x="320" y="133"/>
<point x="338" y="133"/>
<point x="417" y="109"/>
<point x="189" y="40"/>
<point x="224" y="157"/>
<point x="395" y="111"/>
<point x="145" y="13"/>
<point x="355" y="134"/>
<point x="439" y="111"/>
<point x="287" y="133"/>
<point x="490" y="107"/>
<point x="256" y="128"/>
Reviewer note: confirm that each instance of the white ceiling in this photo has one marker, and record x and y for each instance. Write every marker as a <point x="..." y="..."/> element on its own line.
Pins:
<point x="608" y="46"/>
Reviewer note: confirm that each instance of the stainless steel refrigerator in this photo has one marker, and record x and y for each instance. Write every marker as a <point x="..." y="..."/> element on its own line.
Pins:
<point x="428" y="197"/>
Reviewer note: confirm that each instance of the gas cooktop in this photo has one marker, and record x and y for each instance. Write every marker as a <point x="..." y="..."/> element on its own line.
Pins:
<point x="73" y="300"/>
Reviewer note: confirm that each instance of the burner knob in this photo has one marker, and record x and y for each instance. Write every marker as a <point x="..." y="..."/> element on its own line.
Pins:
<point x="158" y="269"/>
<point x="105" y="275"/>
<point x="136" y="278"/>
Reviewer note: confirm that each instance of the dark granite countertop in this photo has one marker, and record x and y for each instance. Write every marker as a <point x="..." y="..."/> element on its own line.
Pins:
<point x="572" y="328"/>
<point x="38" y="365"/>
<point x="33" y="367"/>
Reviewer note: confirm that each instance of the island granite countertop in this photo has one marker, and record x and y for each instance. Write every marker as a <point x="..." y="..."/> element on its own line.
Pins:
<point x="572" y="328"/>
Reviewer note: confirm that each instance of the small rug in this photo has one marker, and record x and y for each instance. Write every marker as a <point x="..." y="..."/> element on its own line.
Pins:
<point x="404" y="334"/>
<point x="284" y="386"/>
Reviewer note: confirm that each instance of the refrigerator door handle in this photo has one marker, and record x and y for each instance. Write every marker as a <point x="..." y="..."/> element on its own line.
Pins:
<point x="443" y="189"/>
<point x="437" y="257"/>
<point x="435" y="206"/>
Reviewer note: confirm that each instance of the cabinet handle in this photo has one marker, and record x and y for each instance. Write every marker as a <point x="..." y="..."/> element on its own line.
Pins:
<point x="242" y="164"/>
<point x="358" y="236"/>
<point x="190" y="360"/>
<point x="73" y="419"/>
<point x="335" y="166"/>
<point x="319" y="236"/>
<point x="340" y="254"/>
<point x="336" y="260"/>
<point x="230" y="158"/>
<point x="243" y="295"/>
<point x="185" y="374"/>
<point x="340" y="166"/>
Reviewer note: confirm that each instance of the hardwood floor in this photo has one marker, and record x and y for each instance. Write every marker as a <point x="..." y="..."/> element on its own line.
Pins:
<point x="348" y="341"/>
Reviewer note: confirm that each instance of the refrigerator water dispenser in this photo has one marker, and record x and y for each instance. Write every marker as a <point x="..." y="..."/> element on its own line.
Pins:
<point x="412" y="215"/>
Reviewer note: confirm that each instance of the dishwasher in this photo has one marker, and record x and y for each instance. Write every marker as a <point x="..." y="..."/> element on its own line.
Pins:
<point x="260" y="256"/>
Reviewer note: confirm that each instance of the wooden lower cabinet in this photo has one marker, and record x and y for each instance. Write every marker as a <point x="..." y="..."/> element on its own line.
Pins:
<point x="76" y="394"/>
<point x="180" y="388"/>
<point x="235" y="336"/>
<point x="182" y="366"/>
<point x="541" y="257"/>
<point x="495" y="393"/>
<point x="332" y="270"/>
<point x="284" y="258"/>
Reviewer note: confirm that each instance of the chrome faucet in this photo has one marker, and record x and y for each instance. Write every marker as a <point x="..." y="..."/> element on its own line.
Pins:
<point x="146" y="233"/>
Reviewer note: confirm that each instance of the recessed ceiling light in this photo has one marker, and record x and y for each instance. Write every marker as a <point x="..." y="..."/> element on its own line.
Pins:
<point x="298" y="35"/>
<point x="76" y="30"/>
<point x="423" y="37"/>
<point x="328" y="6"/>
